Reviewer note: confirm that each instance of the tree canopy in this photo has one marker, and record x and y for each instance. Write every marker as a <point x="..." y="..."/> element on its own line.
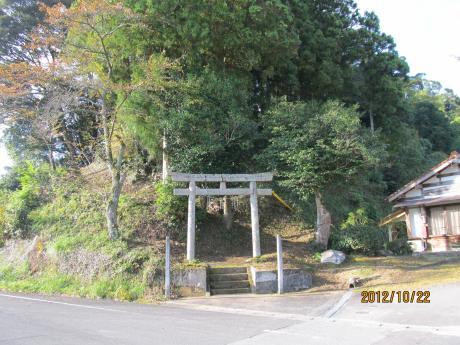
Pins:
<point x="311" y="89"/>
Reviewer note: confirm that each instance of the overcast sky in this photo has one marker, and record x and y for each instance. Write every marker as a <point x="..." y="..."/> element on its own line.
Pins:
<point x="4" y="160"/>
<point x="426" y="33"/>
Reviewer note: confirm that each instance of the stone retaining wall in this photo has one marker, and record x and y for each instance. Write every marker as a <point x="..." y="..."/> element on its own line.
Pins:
<point x="295" y="279"/>
<point x="190" y="281"/>
<point x="193" y="281"/>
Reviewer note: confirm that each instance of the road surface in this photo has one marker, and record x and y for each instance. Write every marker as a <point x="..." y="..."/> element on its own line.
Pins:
<point x="332" y="318"/>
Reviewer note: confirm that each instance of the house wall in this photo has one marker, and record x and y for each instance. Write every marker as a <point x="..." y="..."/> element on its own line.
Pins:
<point x="442" y="224"/>
<point x="433" y="208"/>
<point x="413" y="193"/>
<point x="416" y="226"/>
<point x="446" y="183"/>
<point x="440" y="220"/>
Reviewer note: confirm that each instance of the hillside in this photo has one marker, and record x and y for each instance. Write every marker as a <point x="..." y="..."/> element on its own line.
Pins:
<point x="98" y="99"/>
<point x="68" y="250"/>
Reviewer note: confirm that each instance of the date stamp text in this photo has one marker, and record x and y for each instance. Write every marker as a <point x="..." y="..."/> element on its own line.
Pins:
<point x="395" y="296"/>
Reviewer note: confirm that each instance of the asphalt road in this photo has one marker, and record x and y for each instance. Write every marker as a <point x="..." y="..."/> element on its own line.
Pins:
<point x="334" y="318"/>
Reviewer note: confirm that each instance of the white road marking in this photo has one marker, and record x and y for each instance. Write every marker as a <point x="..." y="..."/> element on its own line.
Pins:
<point x="444" y="330"/>
<point x="331" y="312"/>
<point x="61" y="303"/>
<point x="238" y="311"/>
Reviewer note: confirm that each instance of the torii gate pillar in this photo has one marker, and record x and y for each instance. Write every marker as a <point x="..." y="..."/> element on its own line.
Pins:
<point x="191" y="221"/>
<point x="254" y="220"/>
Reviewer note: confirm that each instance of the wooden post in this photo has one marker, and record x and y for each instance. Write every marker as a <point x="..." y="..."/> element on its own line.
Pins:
<point x="279" y="253"/>
<point x="167" y="268"/>
<point x="191" y="222"/>
<point x="390" y="232"/>
<point x="254" y="219"/>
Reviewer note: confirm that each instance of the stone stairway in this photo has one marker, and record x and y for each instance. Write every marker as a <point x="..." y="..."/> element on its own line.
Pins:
<point x="229" y="280"/>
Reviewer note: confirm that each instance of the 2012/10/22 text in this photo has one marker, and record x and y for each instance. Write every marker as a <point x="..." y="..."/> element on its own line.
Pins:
<point x="395" y="296"/>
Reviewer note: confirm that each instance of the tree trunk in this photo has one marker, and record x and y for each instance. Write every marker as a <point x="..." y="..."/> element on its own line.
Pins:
<point x="112" y="206"/>
<point x="371" y="120"/>
<point x="323" y="222"/>
<point x="70" y="149"/>
<point x="51" y="159"/>
<point x="228" y="214"/>
<point x="115" y="168"/>
<point x="118" y="179"/>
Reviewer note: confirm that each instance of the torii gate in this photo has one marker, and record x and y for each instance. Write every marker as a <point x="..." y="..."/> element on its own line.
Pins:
<point x="192" y="191"/>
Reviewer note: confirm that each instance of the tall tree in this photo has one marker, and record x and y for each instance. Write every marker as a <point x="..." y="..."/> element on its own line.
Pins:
<point x="379" y="75"/>
<point x="314" y="146"/>
<point x="104" y="46"/>
<point x="45" y="110"/>
<point x="18" y="19"/>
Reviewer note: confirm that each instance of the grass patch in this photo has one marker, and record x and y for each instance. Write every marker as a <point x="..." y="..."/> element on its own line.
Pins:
<point x="52" y="282"/>
<point x="48" y="282"/>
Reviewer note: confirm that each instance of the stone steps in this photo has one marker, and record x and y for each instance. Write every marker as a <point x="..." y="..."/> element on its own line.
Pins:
<point x="235" y="284"/>
<point x="228" y="277"/>
<point x="229" y="280"/>
<point x="229" y="291"/>
<point x="227" y="270"/>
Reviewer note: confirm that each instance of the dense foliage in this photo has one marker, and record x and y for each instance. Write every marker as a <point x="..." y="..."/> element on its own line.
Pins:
<point x="315" y="145"/>
<point x="312" y="90"/>
<point x="359" y="234"/>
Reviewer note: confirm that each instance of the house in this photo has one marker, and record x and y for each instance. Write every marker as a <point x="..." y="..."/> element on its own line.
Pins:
<point x="430" y="207"/>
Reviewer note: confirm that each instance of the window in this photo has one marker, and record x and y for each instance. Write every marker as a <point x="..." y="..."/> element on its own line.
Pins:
<point x="453" y="219"/>
<point x="445" y="220"/>
<point x="437" y="226"/>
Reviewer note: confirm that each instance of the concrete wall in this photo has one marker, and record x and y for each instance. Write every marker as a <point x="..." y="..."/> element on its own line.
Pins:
<point x="263" y="281"/>
<point x="189" y="281"/>
<point x="193" y="281"/>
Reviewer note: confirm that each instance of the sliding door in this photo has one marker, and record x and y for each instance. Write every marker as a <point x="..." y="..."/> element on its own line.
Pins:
<point x="453" y="219"/>
<point x="438" y="225"/>
<point x="445" y="220"/>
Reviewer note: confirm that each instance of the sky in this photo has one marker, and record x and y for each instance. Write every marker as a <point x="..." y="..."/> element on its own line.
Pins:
<point x="426" y="33"/>
<point x="4" y="159"/>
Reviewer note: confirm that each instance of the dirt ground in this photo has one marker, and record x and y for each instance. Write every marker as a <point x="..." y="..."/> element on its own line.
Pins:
<point x="219" y="247"/>
<point x="371" y="272"/>
<point x="393" y="271"/>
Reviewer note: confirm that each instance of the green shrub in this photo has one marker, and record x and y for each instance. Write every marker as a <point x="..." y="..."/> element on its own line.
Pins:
<point x="2" y="222"/>
<point x="317" y="256"/>
<point x="359" y="234"/>
<point x="315" y="247"/>
<point x="121" y="288"/>
<point x="74" y="218"/>
<point x="48" y="281"/>
<point x="400" y="246"/>
<point x="31" y="191"/>
<point x="170" y="209"/>
<point x="365" y="239"/>
<point x="358" y="217"/>
<point x="153" y="271"/>
<point x="133" y="261"/>
<point x="102" y="288"/>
